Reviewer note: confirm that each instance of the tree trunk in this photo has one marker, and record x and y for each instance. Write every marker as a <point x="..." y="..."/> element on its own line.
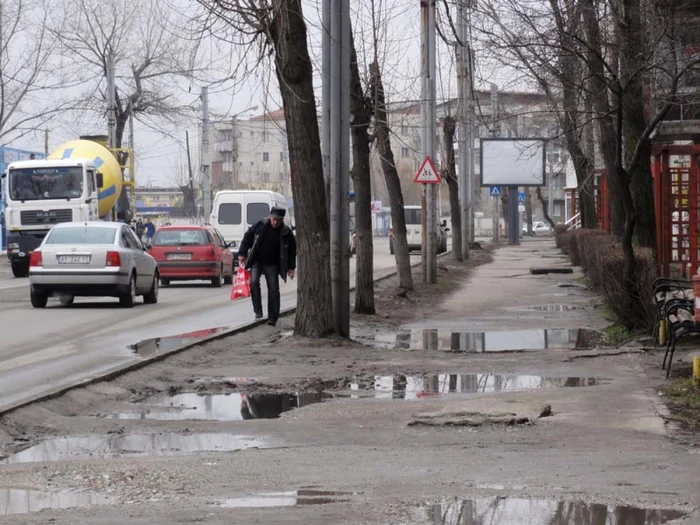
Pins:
<point x="448" y="127"/>
<point x="632" y="61"/>
<point x="361" y="112"/>
<point x="314" y="316"/>
<point x="393" y="183"/>
<point x="528" y="211"/>
<point x="543" y="203"/>
<point x="599" y="93"/>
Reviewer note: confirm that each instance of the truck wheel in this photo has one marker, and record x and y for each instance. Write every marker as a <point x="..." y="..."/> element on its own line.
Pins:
<point x="66" y="299"/>
<point x="152" y="296"/>
<point x="228" y="279"/>
<point x="38" y="299"/>
<point x="128" y="298"/>
<point x="20" y="269"/>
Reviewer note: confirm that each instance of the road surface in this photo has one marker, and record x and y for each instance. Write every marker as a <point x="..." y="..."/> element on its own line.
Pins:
<point x="43" y="349"/>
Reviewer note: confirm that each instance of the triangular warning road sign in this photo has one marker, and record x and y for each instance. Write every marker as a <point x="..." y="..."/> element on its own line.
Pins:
<point x="427" y="174"/>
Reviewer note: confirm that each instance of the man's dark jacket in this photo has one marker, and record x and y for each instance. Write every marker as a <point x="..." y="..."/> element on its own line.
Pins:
<point x="250" y="246"/>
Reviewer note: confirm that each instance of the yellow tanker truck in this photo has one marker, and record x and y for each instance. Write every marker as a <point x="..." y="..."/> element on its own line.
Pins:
<point x="80" y="181"/>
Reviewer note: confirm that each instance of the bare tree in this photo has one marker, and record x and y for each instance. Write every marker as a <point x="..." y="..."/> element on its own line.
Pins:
<point x="278" y="28"/>
<point x="449" y="173"/>
<point x="399" y="243"/>
<point x="361" y="111"/>
<point x="30" y="75"/>
<point x="151" y="51"/>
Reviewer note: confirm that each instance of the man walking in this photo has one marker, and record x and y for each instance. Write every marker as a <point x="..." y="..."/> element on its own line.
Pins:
<point x="269" y="248"/>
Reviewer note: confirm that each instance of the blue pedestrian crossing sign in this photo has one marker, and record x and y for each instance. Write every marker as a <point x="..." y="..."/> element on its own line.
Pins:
<point x="521" y="196"/>
<point x="495" y="191"/>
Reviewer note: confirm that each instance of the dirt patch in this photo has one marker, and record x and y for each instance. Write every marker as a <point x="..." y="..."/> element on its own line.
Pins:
<point x="683" y="400"/>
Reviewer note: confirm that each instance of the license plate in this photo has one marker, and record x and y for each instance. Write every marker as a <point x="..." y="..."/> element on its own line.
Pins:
<point x="73" y="259"/>
<point x="179" y="256"/>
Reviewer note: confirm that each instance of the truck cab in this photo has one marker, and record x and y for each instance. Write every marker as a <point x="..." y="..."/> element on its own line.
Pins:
<point x="42" y="193"/>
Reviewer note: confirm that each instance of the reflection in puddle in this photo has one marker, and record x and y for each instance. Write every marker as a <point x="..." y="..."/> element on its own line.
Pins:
<point x="220" y="407"/>
<point x="77" y="447"/>
<point x="24" y="501"/>
<point x="150" y="347"/>
<point x="285" y="499"/>
<point x="513" y="511"/>
<point x="502" y="341"/>
<point x="401" y="386"/>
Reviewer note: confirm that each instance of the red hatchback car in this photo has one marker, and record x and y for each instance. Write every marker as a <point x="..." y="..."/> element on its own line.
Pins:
<point x="187" y="253"/>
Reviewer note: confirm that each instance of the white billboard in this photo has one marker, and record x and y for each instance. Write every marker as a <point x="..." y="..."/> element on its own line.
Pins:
<point x="512" y="162"/>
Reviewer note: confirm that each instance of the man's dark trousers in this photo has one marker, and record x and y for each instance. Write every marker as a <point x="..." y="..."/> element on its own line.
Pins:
<point x="271" y="273"/>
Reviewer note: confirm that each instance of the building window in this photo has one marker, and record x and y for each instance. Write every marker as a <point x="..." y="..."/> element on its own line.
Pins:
<point x="404" y="129"/>
<point x="266" y="177"/>
<point x="404" y="153"/>
<point x="266" y="156"/>
<point x="264" y="136"/>
<point x="281" y="156"/>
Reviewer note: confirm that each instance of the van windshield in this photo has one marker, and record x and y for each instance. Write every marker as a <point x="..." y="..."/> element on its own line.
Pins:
<point x="412" y="215"/>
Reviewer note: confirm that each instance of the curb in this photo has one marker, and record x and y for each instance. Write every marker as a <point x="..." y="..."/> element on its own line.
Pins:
<point x="118" y="370"/>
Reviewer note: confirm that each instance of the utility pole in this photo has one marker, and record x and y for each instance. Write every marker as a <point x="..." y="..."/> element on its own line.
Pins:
<point x="429" y="122"/>
<point x="550" y="186"/>
<point x="206" y="182"/>
<point x="111" y="103"/>
<point x="46" y="142"/>
<point x="234" y="152"/>
<point x="339" y="134"/>
<point x="466" y="141"/>
<point x="326" y="98"/>
<point x="193" y="201"/>
<point x="494" y="133"/>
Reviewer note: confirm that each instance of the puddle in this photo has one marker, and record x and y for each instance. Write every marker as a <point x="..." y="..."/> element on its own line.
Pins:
<point x="286" y="499"/>
<point x="514" y="511"/>
<point x="150" y="347"/>
<point x="401" y="386"/>
<point x="501" y="341"/>
<point x="555" y="308"/>
<point x="219" y="407"/>
<point x="24" y="501"/>
<point x="81" y="447"/>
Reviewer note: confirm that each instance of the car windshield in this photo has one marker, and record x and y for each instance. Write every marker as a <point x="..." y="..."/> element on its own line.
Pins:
<point x="180" y="237"/>
<point x="32" y="184"/>
<point x="81" y="235"/>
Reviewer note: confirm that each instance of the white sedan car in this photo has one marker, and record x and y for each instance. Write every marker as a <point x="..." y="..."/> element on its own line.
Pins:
<point x="538" y="228"/>
<point x="92" y="259"/>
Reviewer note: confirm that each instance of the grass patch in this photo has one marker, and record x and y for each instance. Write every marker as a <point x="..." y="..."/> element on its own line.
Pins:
<point x="617" y="333"/>
<point x="683" y="399"/>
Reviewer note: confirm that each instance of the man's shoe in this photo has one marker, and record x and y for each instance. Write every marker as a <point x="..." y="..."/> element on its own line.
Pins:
<point x="258" y="316"/>
<point x="272" y="322"/>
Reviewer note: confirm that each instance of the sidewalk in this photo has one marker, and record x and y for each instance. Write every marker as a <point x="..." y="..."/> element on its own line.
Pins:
<point x="432" y="409"/>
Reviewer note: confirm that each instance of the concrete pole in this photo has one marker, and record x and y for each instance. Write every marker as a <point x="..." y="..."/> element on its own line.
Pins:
<point x="326" y="95"/>
<point x="429" y="121"/>
<point x="550" y="187"/>
<point x="465" y="175"/>
<point x="111" y="103"/>
<point x="340" y="164"/>
<point x="46" y="142"/>
<point x="494" y="133"/>
<point x="206" y="181"/>
<point x="234" y="152"/>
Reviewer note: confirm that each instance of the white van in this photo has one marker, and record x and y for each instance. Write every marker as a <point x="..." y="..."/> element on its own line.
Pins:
<point x="414" y="229"/>
<point x="234" y="211"/>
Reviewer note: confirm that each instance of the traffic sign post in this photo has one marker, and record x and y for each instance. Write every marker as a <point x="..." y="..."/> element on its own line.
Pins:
<point x="427" y="174"/>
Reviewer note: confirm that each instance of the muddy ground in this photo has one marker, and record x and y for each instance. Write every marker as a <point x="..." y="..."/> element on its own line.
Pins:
<point x="481" y="396"/>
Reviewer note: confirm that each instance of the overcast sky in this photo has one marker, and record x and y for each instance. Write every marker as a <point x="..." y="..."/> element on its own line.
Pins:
<point x="159" y="151"/>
